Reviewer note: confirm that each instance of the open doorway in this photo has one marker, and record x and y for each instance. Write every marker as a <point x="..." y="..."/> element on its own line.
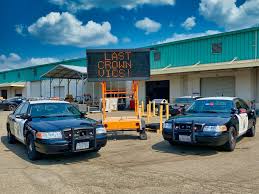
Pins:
<point x="157" y="90"/>
<point x="4" y="94"/>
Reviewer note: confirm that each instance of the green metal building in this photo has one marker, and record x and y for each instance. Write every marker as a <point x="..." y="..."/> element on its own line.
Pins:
<point x="224" y="64"/>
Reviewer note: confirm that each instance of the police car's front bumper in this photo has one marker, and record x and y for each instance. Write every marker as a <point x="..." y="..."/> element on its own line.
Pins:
<point x="210" y="139"/>
<point x="64" y="146"/>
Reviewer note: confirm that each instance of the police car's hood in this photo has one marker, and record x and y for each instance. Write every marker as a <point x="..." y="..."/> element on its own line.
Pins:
<point x="55" y="123"/>
<point x="203" y="118"/>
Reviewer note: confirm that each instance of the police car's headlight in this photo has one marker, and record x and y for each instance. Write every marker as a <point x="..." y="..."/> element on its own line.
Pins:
<point x="168" y="125"/>
<point x="215" y="128"/>
<point x="49" y="135"/>
<point x="100" y="130"/>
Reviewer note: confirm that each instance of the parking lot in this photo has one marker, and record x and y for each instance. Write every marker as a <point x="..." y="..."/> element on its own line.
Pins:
<point x="129" y="165"/>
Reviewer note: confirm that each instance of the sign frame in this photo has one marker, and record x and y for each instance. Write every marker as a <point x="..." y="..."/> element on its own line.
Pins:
<point x="134" y="78"/>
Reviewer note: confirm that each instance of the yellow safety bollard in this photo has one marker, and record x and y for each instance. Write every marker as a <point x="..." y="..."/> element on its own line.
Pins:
<point x="167" y="111"/>
<point x="154" y="108"/>
<point x="148" y="115"/>
<point x="139" y="111"/>
<point x="160" y="119"/>
<point x="142" y="107"/>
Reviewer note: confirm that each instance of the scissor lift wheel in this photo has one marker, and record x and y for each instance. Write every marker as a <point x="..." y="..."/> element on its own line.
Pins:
<point x="143" y="135"/>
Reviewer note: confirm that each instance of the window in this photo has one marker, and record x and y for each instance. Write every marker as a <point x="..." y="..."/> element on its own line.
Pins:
<point x="156" y="56"/>
<point x="24" y="109"/>
<point x="238" y="104"/>
<point x="243" y="104"/>
<point x="53" y="109"/>
<point x="211" y="106"/>
<point x="216" y="48"/>
<point x="18" y="109"/>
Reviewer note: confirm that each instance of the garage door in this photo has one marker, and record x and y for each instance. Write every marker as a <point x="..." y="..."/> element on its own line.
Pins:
<point x="35" y="89"/>
<point x="218" y="86"/>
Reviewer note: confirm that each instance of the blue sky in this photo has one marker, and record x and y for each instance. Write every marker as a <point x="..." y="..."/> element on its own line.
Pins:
<point x="41" y="31"/>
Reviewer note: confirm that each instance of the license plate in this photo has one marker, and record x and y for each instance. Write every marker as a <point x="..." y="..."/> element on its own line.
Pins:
<point x="82" y="145"/>
<point x="185" y="138"/>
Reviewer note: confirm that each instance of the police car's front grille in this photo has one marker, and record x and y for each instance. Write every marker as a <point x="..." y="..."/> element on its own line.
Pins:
<point x="188" y="127"/>
<point x="79" y="133"/>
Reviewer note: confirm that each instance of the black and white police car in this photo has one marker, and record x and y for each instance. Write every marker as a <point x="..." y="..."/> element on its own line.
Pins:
<point x="52" y="127"/>
<point x="215" y="121"/>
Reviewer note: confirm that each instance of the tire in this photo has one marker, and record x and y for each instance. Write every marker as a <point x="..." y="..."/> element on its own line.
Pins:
<point x="10" y="137"/>
<point x="11" y="107"/>
<point x="97" y="149"/>
<point x="172" y="143"/>
<point x="143" y="135"/>
<point x="251" y="131"/>
<point x="31" y="150"/>
<point x="232" y="139"/>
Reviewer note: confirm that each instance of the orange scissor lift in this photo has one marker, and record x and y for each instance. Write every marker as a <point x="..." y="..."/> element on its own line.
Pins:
<point x="127" y="123"/>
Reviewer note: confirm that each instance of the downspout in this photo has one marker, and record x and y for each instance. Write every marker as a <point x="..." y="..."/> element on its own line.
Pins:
<point x="256" y="39"/>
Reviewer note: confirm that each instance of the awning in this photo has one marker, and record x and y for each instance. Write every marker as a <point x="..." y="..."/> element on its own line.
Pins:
<point x="66" y="72"/>
<point x="13" y="84"/>
<point x="207" y="67"/>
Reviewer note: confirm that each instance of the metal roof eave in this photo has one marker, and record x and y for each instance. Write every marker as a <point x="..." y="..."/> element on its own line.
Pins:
<point x="66" y="72"/>
<point x="207" y="67"/>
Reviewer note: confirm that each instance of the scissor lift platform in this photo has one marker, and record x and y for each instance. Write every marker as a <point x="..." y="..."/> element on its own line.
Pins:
<point x="126" y="123"/>
<point x="122" y="123"/>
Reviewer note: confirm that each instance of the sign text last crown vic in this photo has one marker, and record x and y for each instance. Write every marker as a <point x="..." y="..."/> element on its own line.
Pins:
<point x="120" y="65"/>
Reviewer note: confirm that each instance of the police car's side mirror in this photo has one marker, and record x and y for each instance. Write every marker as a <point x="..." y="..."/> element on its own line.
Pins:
<point x="25" y="116"/>
<point x="83" y="114"/>
<point x="234" y="111"/>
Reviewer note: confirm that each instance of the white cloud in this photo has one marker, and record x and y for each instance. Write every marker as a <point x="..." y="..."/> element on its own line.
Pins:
<point x="126" y="40"/>
<point x="77" y="5"/>
<point x="177" y="36"/>
<point x="148" y="25"/>
<point x="13" y="57"/>
<point x="65" y="29"/>
<point x="40" y="61"/>
<point x="20" y="29"/>
<point x="13" y="61"/>
<point x="189" y="23"/>
<point x="228" y="15"/>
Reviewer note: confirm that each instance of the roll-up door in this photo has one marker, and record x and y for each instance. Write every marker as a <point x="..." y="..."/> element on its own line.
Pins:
<point x="218" y="86"/>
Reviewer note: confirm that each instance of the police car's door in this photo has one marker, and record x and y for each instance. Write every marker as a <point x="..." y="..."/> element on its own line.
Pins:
<point x="242" y="117"/>
<point x="19" y="122"/>
<point x="12" y="118"/>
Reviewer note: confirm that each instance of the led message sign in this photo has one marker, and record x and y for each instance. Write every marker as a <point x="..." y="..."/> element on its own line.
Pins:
<point x="121" y="65"/>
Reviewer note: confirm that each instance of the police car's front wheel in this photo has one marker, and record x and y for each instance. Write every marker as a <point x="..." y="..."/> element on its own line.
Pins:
<point x="251" y="131"/>
<point x="232" y="138"/>
<point x="31" y="150"/>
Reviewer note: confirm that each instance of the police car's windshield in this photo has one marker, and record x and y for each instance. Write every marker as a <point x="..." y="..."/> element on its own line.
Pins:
<point x="53" y="110"/>
<point x="211" y="106"/>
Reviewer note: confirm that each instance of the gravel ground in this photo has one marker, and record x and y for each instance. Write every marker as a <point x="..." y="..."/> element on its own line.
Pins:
<point x="129" y="165"/>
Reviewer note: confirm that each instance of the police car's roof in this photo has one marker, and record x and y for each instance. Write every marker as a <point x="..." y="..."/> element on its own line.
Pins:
<point x="218" y="98"/>
<point x="47" y="101"/>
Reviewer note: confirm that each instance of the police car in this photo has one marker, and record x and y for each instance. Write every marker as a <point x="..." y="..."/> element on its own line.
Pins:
<point x="215" y="121"/>
<point x="52" y="127"/>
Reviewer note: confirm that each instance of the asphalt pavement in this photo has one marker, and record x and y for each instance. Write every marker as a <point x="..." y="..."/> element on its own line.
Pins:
<point x="130" y="165"/>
